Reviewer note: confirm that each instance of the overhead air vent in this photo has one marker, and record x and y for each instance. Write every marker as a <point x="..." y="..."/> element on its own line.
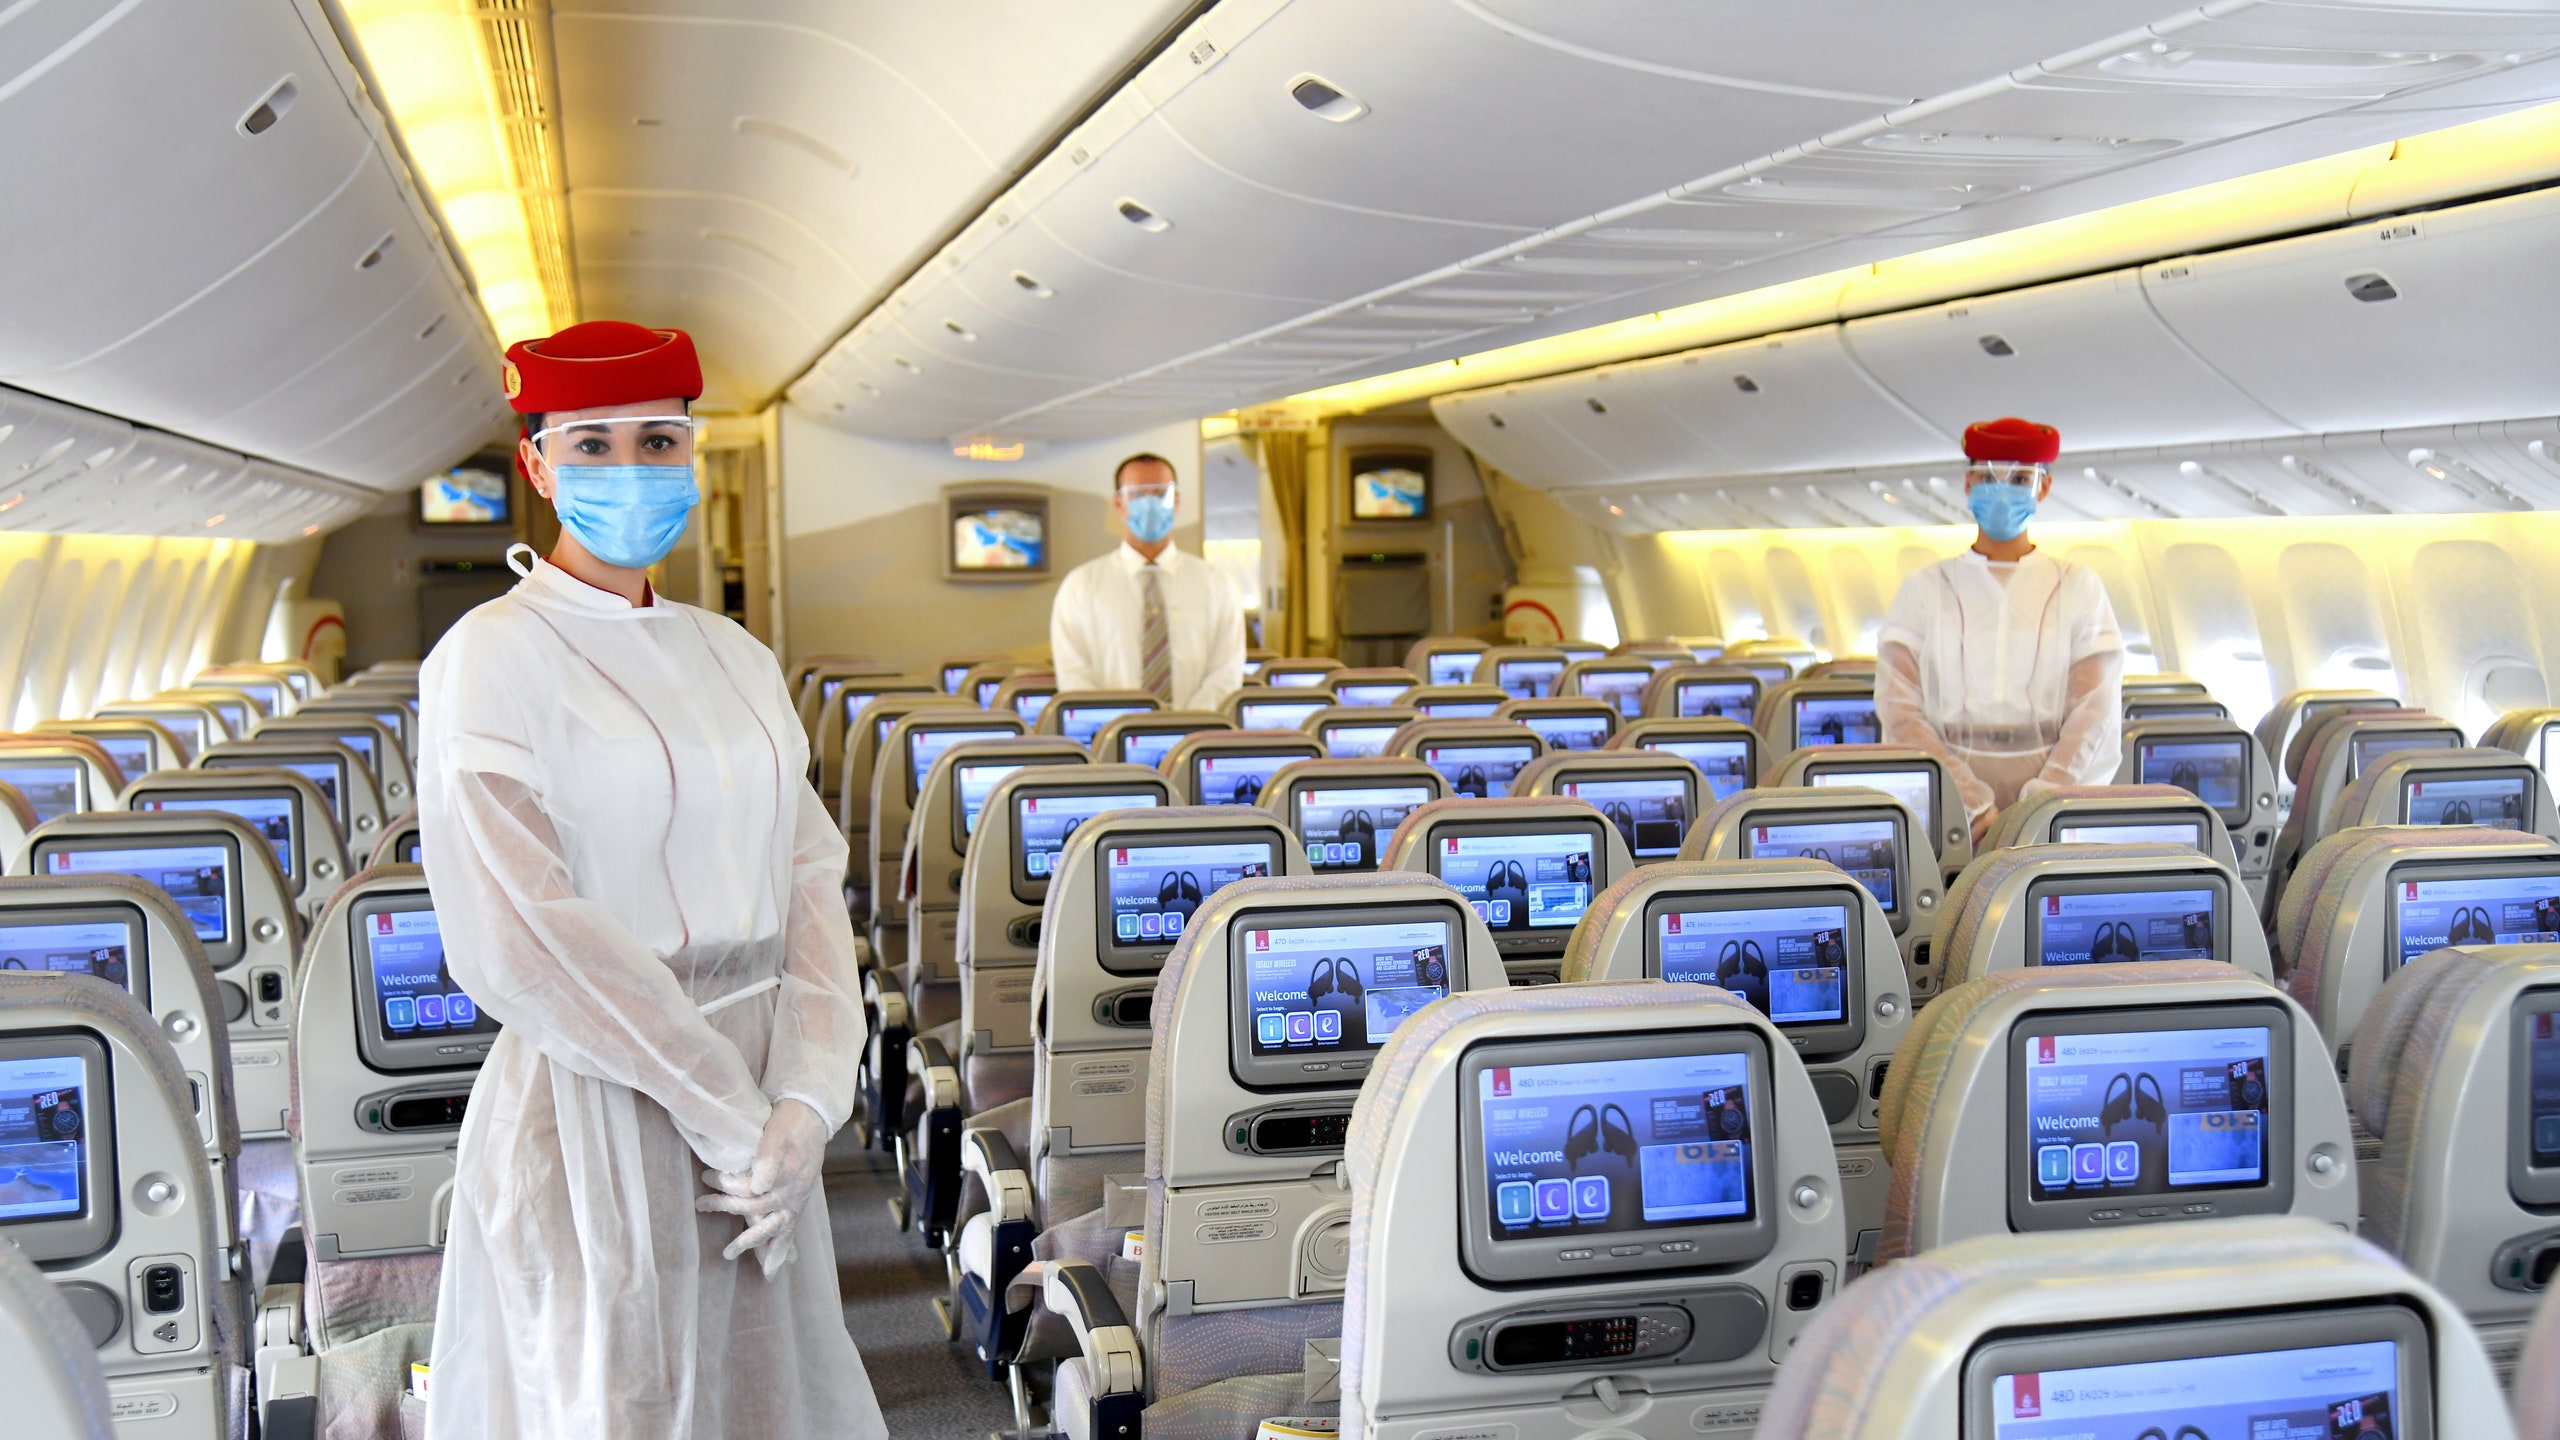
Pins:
<point x="903" y="363"/>
<point x="1325" y="100"/>
<point x="1746" y="384"/>
<point x="1037" y="290"/>
<point x="1997" y="348"/>
<point x="1142" y="217"/>
<point x="963" y="331"/>
<point x="373" y="257"/>
<point x="262" y="117"/>
<point x="1596" y="407"/>
<point x="2372" y="289"/>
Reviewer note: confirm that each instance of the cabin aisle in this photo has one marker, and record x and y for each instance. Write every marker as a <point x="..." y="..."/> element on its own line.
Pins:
<point x="927" y="1388"/>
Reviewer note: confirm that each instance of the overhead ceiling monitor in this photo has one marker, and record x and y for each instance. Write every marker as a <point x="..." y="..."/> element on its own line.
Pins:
<point x="1389" y="485"/>
<point x="410" y="1012"/>
<point x="1149" y="888"/>
<point x="1317" y="992"/>
<point x="1042" y="822"/>
<point x="57" y="1141"/>
<point x="102" y="940"/>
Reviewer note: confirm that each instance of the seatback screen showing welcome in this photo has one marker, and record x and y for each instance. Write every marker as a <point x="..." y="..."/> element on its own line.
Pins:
<point x="1155" y="889"/>
<point x="1042" y="823"/>
<point x="1343" y="829"/>
<point x="1791" y="962"/>
<point x="975" y="783"/>
<point x="1611" y="1146"/>
<point x="417" y="994"/>
<point x="2095" y="927"/>
<point x="2493" y="800"/>
<point x="1837" y="720"/>
<point x="1868" y="849"/>
<point x="2145" y="1112"/>
<point x="44" y="1162"/>
<point x="196" y="878"/>
<point x="2323" y="1392"/>
<point x="1521" y="882"/>
<point x="1336" y="989"/>
<point x="2487" y="910"/>
<point x="1476" y="771"/>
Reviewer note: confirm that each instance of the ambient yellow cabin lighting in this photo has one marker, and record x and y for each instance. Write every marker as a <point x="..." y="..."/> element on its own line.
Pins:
<point x="442" y="96"/>
<point x="2441" y="165"/>
<point x="987" y="450"/>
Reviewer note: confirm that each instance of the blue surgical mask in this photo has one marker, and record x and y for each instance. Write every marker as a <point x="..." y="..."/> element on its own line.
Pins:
<point x="626" y="515"/>
<point x="2002" y="510"/>
<point x="1150" y="515"/>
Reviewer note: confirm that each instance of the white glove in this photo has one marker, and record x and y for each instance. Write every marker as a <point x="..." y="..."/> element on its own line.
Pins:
<point x="772" y="1192"/>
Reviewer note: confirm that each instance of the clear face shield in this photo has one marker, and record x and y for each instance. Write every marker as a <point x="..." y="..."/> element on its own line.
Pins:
<point x="2025" y="475"/>
<point x="580" y="439"/>
<point x="624" y="483"/>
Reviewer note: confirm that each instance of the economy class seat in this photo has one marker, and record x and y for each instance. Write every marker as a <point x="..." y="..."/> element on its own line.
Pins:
<point x="1914" y="776"/>
<point x="400" y="844"/>
<point x="286" y="809"/>
<point x="2114" y="815"/>
<point x="1266" y="1020"/>
<point x="2062" y="905"/>
<point x="1370" y="686"/>
<point x="1445" y="659"/>
<point x="1651" y="796"/>
<point x="1358" y="732"/>
<point x="1864" y="831"/>
<point x="1026" y="693"/>
<point x="397" y="714"/>
<point x="1344" y="810"/>
<point x="1294" y="672"/>
<point x="1479" y="758"/>
<point x="866" y="738"/>
<point x="2222" y="765"/>
<point x="377" y="744"/>
<point x="2333" y="750"/>
<point x="1619" y="680"/>
<point x="1080" y="714"/>
<point x="1669" y="1193"/>
<point x="1462" y="701"/>
<point x="48" y="1369"/>
<point x="194" y="725"/>
<point x="1146" y="737"/>
<point x="1565" y="722"/>
<point x="1796" y="714"/>
<point x="1523" y="672"/>
<point x="2281" y="728"/>
<point x="275" y="695"/>
<point x="984" y="679"/>
<point x="913" y="737"/>
<point x="1231" y="767"/>
<point x="1527" y="865"/>
<point x="1703" y="690"/>
<point x="138" y="746"/>
<point x="60" y="774"/>
<point x="2492" y="788"/>
<point x="17" y="819"/>
<point x="1726" y="752"/>
<point x="1805" y="946"/>
<point x="354" y="801"/>
<point x="1276" y="707"/>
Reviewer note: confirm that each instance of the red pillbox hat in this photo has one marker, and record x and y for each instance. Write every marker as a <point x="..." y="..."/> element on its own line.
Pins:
<point x="601" y="362"/>
<point x="2023" y="441"/>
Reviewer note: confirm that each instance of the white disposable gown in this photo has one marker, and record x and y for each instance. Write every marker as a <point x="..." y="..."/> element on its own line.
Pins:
<point x="2011" y="673"/>
<point x="632" y="874"/>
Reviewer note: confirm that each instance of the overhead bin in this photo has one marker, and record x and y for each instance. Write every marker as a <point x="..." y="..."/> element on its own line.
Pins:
<point x="68" y="470"/>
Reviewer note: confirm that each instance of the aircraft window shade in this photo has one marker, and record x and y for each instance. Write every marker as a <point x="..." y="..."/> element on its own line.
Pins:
<point x="1344" y="830"/>
<point x="1151" y="891"/>
<point x="1725" y="763"/>
<point x="2334" y="1373"/>
<point x="1838" y="720"/>
<point x="1459" y="709"/>
<point x="1528" y="679"/>
<point x="1622" y="688"/>
<point x="924" y="746"/>
<point x="2214" y="770"/>
<point x="1279" y="714"/>
<point x="1915" y="788"/>
<point x="1029" y="703"/>
<point x="57" y="1145"/>
<point x="1870" y="848"/>
<point x="133" y="754"/>
<point x="1229" y="777"/>
<point x="2121" y="920"/>
<point x="2533" y="1149"/>
<point x="1570" y="1145"/>
<point x="1569" y="732"/>
<point x="195" y="874"/>
<point x="2500" y="800"/>
<point x="1452" y="667"/>
<point x="1523" y="884"/>
<point x="1478" y="770"/>
<point x="1651" y="811"/>
<point x="2366" y="749"/>
<point x="1795" y="956"/>
<point x="1370" y="693"/>
<point x="2132" y="1116"/>
<point x="54" y="788"/>
<point x="1081" y="723"/>
<point x="1356" y="742"/>
<point x="1716" y="699"/>
<point x="275" y="816"/>
<point x="1319" y="992"/>
<point x="1042" y="824"/>
<point x="105" y="941"/>
<point x="410" y="1013"/>
<point x="2434" y="906"/>
<point x="971" y="784"/>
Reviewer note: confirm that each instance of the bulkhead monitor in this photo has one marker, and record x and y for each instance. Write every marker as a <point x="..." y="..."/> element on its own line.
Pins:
<point x="1345" y="826"/>
<point x="925" y="744"/>
<point x="1353" y="740"/>
<point x="199" y="874"/>
<point x="2108" y="919"/>
<point x="1451" y="667"/>
<point x="2367" y="750"/>
<point x="1044" y="818"/>
<point x="2125" y="1116"/>
<point x="2499" y="798"/>
<point x="972" y="781"/>
<point x="1528" y="679"/>
<point x="1915" y="786"/>
<point x="57" y="1145"/>
<point x="2332" y="1373"/>
<point x="1837" y="720"/>
<point x="1621" y="688"/>
<point x="1369" y="693"/>
<point x="1028" y="703"/>
<point x="1317" y="991"/>
<point x="1277" y="714"/>
<point x="101" y="940"/>
<point x="1081" y="723"/>
<point x="2533" y="1146"/>
<point x="53" y="787"/>
<point x="410" y="1014"/>
<point x="2212" y="768"/>
<point x="1725" y="762"/>
<point x="1459" y="709"/>
<point x="1569" y="732"/>
<point x="1869" y="844"/>
<point x="1149" y="888"/>
<point x="1147" y="745"/>
<point x="134" y="754"/>
<point x="2452" y="902"/>
<point x="1652" y="812"/>
<point x="1716" y="699"/>
<point x="273" y="811"/>
<point x="1796" y="955"/>
<point x="2125" y="828"/>
<point x="1620" y="1154"/>
<point x="1478" y="769"/>
<point x="1236" y="777"/>
<point x="1529" y="880"/>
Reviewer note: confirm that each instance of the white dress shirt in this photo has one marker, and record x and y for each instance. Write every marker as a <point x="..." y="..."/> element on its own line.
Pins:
<point x="1097" y="627"/>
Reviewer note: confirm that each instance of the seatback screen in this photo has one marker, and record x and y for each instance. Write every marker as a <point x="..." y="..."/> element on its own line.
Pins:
<point x="2510" y="909"/>
<point x="1369" y="693"/>
<point x="1870" y="850"/>
<point x="1278" y="714"/>
<point x="53" y="787"/>
<point x="1296" y="679"/>
<point x="1081" y="723"/>
<point x="1029" y="703"/>
<point x="1726" y="764"/>
<point x="2494" y="800"/>
<point x="2176" y="710"/>
<point x="1452" y="667"/>
<point x="1837" y="720"/>
<point x="1916" y="788"/>
<point x="1478" y="770"/>
<point x="411" y="984"/>
<point x="1042" y="823"/>
<point x="44" y="1132"/>
<point x="2124" y="1114"/>
<point x="1235" y="777"/>
<point x="1569" y="732"/>
<point x="196" y="878"/>
<point x="1344" y="829"/>
<point x="1354" y="742"/>
<point x="2084" y="927"/>
<point x="975" y="781"/>
<point x="2366" y="750"/>
<point x="983" y="694"/>
<point x="1520" y="883"/>
<point x="410" y="851"/>
<point x="1155" y="889"/>
<point x="952" y="675"/>
<point x="1339" y="989"/>
<point x="270" y="816"/>
<point x="1621" y="688"/>
<point x="1651" y="813"/>
<point x="2214" y="770"/>
<point x="2322" y="1392"/>
<point x="1716" y="699"/>
<point x="1528" y="679"/>
<point x="2187" y="834"/>
<point x="133" y="754"/>
<point x="1149" y="747"/>
<point x="1791" y="962"/>
<point x="926" y="746"/>
<point x="2541" y="1088"/>
<point x="1616" y="1146"/>
<point x="1459" y="709"/>
<point x="361" y="742"/>
<point x="106" y="947"/>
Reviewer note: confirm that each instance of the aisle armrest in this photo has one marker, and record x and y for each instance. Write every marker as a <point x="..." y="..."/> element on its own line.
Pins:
<point x="987" y="1154"/>
<point x="1076" y="1292"/>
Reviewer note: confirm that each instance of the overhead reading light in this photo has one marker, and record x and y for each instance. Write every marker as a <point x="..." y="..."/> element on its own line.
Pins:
<point x="2372" y="289"/>
<point x="1326" y="100"/>
<point x="1997" y="348"/>
<point x="963" y="331"/>
<point x="985" y="449"/>
<point x="1142" y="217"/>
<point x="1037" y="289"/>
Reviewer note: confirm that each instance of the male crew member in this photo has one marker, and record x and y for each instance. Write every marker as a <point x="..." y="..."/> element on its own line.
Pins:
<point x="1147" y="616"/>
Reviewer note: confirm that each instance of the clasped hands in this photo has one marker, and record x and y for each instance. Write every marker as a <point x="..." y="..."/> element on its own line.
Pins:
<point x="770" y="1194"/>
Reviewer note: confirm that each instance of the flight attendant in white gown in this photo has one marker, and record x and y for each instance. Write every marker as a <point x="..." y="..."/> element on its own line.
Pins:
<point x="633" y="875"/>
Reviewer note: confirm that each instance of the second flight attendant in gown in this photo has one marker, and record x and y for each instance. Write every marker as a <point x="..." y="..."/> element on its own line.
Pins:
<point x="633" y="875"/>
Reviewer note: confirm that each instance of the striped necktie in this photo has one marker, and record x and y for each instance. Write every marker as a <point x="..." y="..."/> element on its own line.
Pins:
<point x="1156" y="644"/>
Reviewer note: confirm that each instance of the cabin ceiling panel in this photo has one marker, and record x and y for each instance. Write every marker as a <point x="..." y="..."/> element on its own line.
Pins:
<point x="68" y="470"/>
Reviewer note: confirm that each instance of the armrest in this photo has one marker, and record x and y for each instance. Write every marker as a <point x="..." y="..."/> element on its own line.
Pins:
<point x="893" y="1008"/>
<point x="1074" y="1291"/>
<point x="987" y="1154"/>
<point x="286" y="1376"/>
<point x="930" y="1062"/>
